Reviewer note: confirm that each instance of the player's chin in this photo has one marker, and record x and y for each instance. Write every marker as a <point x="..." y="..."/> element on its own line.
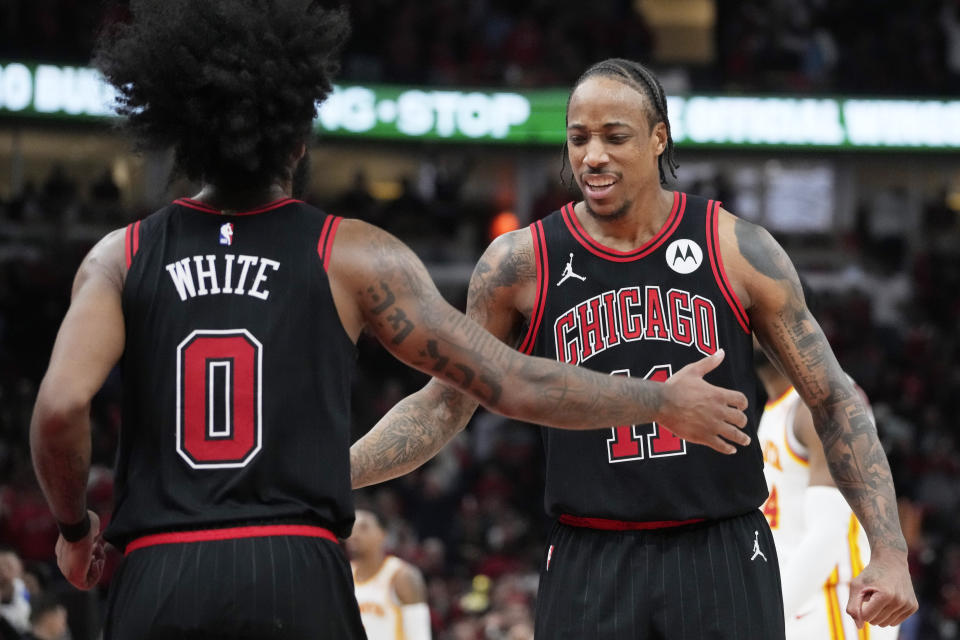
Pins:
<point x="607" y="208"/>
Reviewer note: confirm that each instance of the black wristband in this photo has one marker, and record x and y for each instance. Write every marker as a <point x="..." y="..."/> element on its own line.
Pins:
<point x="77" y="531"/>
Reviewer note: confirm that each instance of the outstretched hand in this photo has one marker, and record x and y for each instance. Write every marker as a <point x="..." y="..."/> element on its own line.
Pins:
<point x="81" y="562"/>
<point x="702" y="413"/>
<point x="882" y="595"/>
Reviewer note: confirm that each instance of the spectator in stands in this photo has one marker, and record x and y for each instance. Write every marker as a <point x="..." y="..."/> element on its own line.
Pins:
<point x="356" y="202"/>
<point x="14" y="605"/>
<point x="48" y="620"/>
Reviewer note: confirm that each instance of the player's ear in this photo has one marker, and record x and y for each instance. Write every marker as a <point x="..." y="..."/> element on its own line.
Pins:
<point x="658" y="138"/>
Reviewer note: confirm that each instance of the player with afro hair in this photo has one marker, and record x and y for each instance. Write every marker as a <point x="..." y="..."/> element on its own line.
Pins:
<point x="231" y="85"/>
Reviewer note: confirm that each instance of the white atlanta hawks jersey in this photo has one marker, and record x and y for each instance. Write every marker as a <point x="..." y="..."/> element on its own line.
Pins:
<point x="379" y="607"/>
<point x="823" y="615"/>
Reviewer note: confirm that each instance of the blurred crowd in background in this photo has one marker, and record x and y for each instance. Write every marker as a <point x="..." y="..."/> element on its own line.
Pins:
<point x="472" y="519"/>
<point x="845" y="46"/>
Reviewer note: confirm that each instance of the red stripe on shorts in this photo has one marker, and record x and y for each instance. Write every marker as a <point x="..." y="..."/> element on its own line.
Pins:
<point x="622" y="525"/>
<point x="229" y="533"/>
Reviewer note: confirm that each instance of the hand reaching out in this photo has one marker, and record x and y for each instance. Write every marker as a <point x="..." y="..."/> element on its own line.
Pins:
<point x="702" y="413"/>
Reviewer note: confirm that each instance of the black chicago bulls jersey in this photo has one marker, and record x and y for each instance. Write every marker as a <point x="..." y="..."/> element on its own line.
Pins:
<point x="646" y="314"/>
<point x="236" y="373"/>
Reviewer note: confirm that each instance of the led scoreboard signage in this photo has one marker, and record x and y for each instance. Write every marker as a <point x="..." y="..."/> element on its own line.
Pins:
<point x="536" y="117"/>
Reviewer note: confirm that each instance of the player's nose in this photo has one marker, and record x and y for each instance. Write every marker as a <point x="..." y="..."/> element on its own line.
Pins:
<point x="596" y="154"/>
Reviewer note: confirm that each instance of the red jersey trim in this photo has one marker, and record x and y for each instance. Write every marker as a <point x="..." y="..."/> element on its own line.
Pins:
<point x="325" y="243"/>
<point x="200" y="206"/>
<point x="716" y="263"/>
<point x="131" y="241"/>
<point x="229" y="533"/>
<point x="330" y="238"/>
<point x="536" y="315"/>
<point x="622" y="525"/>
<point x="613" y="255"/>
<point x="323" y="236"/>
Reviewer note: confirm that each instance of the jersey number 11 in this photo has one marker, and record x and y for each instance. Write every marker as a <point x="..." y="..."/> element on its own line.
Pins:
<point x="627" y="442"/>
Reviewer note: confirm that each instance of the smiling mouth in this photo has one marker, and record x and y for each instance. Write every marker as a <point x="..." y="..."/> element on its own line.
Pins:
<point x="598" y="186"/>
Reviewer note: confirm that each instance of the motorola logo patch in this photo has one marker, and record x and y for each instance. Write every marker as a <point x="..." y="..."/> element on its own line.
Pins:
<point x="684" y="256"/>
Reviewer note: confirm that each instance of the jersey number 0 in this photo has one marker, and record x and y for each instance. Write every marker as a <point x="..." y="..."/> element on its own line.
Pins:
<point x="627" y="442"/>
<point x="219" y="377"/>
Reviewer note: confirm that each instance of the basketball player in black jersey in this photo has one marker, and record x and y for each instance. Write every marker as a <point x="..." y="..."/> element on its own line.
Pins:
<point x="656" y="537"/>
<point x="234" y="316"/>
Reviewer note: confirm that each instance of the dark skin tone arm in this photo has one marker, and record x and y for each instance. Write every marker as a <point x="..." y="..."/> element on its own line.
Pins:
<point x="89" y="344"/>
<point x="806" y="433"/>
<point x="380" y="284"/>
<point x="767" y="284"/>
<point x="500" y="298"/>
<point x="417" y="428"/>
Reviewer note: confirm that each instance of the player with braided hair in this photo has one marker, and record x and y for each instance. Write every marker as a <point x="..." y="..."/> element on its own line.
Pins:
<point x="655" y="536"/>
<point x="643" y="80"/>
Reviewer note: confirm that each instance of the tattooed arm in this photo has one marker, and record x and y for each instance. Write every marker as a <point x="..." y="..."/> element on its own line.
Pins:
<point x="768" y="286"/>
<point x="400" y="305"/>
<point x="88" y="345"/>
<point x="418" y="426"/>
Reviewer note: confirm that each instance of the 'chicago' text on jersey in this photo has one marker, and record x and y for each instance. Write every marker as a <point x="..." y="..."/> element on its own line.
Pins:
<point x="635" y="313"/>
<point x="226" y="274"/>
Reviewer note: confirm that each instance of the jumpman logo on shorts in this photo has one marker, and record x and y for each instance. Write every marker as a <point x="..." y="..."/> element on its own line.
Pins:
<point x="756" y="547"/>
<point x="568" y="272"/>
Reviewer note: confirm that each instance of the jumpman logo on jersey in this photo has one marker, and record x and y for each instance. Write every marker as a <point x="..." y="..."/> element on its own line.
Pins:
<point x="756" y="547"/>
<point x="568" y="272"/>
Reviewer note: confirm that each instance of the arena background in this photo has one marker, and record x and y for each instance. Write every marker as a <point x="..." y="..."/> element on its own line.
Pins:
<point x="835" y="123"/>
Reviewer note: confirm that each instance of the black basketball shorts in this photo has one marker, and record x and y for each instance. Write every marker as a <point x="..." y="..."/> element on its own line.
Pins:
<point x="284" y="587"/>
<point x="709" y="580"/>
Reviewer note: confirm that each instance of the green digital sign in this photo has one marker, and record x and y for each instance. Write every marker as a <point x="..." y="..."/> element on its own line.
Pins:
<point x="536" y="117"/>
<point x="400" y="113"/>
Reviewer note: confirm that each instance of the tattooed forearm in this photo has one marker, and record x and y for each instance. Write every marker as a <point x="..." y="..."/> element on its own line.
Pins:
<point x="409" y="435"/>
<point x="440" y="361"/>
<point x="475" y="339"/>
<point x="794" y="341"/>
<point x="452" y="341"/>
<point x="463" y="375"/>
<point x="859" y="467"/>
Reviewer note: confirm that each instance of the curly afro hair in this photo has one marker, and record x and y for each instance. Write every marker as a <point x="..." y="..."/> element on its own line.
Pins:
<point x="231" y="85"/>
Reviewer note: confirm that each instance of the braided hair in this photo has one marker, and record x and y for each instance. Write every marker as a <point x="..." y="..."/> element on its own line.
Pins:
<point x="642" y="79"/>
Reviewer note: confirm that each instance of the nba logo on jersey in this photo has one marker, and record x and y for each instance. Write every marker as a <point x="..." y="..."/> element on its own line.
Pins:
<point x="226" y="233"/>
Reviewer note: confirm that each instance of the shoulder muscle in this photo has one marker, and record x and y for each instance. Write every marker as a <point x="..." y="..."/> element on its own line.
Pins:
<point x="503" y="285"/>
<point x="760" y="265"/>
<point x="105" y="261"/>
